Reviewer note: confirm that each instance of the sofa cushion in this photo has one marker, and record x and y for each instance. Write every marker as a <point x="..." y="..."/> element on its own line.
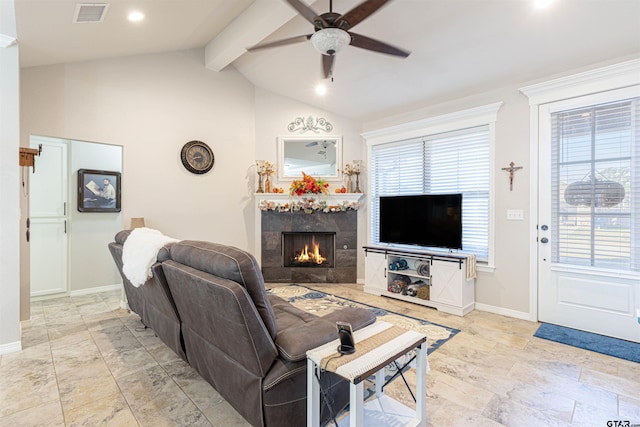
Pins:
<point x="229" y="263"/>
<point x="300" y="331"/>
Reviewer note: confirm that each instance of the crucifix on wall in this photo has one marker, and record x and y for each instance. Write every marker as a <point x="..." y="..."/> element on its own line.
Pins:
<point x="511" y="169"/>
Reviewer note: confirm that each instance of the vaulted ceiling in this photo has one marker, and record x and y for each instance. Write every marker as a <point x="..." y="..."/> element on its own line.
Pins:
<point x="458" y="47"/>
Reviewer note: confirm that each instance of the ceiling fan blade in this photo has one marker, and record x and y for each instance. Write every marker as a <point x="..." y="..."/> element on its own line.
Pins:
<point x="291" y="40"/>
<point x="359" y="13"/>
<point x="307" y="13"/>
<point x="311" y="144"/>
<point x="327" y="65"/>
<point x="368" y="43"/>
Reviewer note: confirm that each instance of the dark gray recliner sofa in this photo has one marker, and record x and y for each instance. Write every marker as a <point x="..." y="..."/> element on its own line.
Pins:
<point x="248" y="344"/>
<point x="152" y="301"/>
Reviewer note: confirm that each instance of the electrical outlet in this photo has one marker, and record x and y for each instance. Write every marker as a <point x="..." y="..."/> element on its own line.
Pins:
<point x="515" y="214"/>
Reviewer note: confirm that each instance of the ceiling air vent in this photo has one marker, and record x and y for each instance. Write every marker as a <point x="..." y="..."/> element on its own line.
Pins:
<point x="90" y="13"/>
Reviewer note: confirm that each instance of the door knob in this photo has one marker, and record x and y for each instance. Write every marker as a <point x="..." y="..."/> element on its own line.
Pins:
<point x="544" y="240"/>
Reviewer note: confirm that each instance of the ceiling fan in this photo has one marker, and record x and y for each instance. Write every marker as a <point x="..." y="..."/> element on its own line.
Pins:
<point x="332" y="32"/>
<point x="324" y="144"/>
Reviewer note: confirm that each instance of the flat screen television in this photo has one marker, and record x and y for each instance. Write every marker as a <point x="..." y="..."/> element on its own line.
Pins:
<point x="429" y="220"/>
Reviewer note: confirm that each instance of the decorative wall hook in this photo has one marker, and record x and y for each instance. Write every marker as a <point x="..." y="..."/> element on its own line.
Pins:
<point x="310" y="124"/>
<point x="511" y="169"/>
<point x="27" y="156"/>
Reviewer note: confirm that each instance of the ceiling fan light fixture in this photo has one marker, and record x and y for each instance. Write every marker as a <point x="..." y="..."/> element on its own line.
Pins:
<point x="329" y="41"/>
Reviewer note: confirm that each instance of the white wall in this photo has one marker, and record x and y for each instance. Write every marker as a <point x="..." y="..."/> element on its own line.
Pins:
<point x="151" y="106"/>
<point x="9" y="186"/>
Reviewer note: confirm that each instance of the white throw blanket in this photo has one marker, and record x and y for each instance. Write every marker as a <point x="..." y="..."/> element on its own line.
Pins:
<point x="140" y="251"/>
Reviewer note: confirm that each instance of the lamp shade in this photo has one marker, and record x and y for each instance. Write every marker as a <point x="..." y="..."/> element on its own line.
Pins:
<point x="137" y="222"/>
<point x="330" y="41"/>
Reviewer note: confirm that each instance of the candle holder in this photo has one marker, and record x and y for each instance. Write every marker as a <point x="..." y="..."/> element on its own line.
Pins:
<point x="357" y="190"/>
<point x="259" y="190"/>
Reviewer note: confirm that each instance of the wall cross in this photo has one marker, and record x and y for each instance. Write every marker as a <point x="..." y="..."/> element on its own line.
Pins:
<point x="511" y="169"/>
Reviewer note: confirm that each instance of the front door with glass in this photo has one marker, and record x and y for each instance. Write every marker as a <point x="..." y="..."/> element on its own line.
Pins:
<point x="589" y="214"/>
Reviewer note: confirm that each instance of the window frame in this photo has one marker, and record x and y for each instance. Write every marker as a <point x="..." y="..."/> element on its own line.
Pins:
<point x="485" y="115"/>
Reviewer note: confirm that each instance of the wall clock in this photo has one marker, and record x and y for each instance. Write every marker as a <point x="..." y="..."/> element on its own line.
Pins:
<point x="197" y="157"/>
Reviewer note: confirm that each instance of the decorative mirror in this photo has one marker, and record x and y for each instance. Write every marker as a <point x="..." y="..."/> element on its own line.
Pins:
<point x="319" y="156"/>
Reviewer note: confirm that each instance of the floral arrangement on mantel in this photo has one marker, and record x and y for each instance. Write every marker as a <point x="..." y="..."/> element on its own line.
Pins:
<point x="352" y="169"/>
<point x="308" y="205"/>
<point x="308" y="185"/>
<point x="264" y="167"/>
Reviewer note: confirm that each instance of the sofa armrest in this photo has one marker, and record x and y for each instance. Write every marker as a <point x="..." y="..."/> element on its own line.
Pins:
<point x="294" y="342"/>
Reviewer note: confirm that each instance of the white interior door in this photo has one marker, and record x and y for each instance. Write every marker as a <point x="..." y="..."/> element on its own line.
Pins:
<point x="589" y="214"/>
<point x="48" y="219"/>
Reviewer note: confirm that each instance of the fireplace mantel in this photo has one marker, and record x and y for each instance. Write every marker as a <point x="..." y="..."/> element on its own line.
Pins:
<point x="331" y="199"/>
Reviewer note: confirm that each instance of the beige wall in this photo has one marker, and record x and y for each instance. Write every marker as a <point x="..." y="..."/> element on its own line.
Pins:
<point x="152" y="105"/>
<point x="505" y="289"/>
<point x="273" y="115"/>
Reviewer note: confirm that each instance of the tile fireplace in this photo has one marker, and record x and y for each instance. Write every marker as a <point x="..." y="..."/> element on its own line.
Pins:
<point x="297" y="247"/>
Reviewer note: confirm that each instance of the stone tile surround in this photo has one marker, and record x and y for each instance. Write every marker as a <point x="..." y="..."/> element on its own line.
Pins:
<point x="344" y="224"/>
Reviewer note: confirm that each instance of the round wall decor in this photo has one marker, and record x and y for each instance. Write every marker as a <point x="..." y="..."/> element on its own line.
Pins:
<point x="197" y="157"/>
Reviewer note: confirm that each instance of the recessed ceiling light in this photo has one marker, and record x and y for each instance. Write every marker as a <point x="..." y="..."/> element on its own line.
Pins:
<point x="542" y="4"/>
<point x="135" y="16"/>
<point x="321" y="89"/>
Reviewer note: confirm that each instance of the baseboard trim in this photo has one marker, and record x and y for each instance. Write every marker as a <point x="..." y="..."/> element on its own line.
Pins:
<point x="503" y="311"/>
<point x="89" y="291"/>
<point x="11" y="347"/>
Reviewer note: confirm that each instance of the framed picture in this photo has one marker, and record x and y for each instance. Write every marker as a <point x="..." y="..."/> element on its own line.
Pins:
<point x="98" y="191"/>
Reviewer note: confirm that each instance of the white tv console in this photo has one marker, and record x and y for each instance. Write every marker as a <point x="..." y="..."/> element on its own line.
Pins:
<point x="446" y="275"/>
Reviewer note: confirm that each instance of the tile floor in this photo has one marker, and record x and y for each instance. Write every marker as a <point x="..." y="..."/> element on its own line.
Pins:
<point x="86" y="362"/>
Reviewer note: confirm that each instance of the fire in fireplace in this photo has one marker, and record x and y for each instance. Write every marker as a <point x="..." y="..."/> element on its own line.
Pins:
<point x="313" y="256"/>
<point x="308" y="249"/>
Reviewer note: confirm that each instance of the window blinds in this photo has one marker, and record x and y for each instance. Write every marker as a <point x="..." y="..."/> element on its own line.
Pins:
<point x="596" y="186"/>
<point x="452" y="162"/>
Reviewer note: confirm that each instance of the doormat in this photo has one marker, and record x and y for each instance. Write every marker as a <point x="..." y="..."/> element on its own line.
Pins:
<point x="321" y="303"/>
<point x="589" y="341"/>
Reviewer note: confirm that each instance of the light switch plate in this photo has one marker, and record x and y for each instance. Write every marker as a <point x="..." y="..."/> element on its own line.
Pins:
<point x="515" y="214"/>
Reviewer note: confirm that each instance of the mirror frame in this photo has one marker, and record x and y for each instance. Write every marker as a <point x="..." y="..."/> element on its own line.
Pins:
<point x="304" y="139"/>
